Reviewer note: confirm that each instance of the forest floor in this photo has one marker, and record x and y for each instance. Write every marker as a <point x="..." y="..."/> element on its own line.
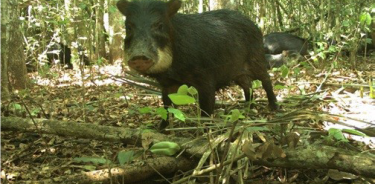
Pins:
<point x="102" y="96"/>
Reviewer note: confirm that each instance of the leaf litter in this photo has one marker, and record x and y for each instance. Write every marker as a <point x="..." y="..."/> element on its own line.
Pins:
<point x="102" y="95"/>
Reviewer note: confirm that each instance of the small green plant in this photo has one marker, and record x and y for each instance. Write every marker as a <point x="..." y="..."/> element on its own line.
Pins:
<point x="125" y="157"/>
<point x="335" y="134"/>
<point x="163" y="113"/>
<point x="234" y="115"/>
<point x="17" y="109"/>
<point x="165" y="148"/>
<point x="184" y="96"/>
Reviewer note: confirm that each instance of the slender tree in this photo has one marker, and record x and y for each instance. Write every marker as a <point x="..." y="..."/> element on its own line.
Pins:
<point x="13" y="69"/>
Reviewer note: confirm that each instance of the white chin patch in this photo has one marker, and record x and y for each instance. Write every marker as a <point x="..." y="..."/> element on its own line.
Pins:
<point x="164" y="62"/>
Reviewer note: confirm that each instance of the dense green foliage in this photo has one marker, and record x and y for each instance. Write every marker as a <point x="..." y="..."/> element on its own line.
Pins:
<point x="88" y="24"/>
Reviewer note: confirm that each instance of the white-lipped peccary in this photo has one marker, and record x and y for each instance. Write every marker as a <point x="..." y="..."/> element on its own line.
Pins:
<point x="276" y="43"/>
<point x="59" y="53"/>
<point x="208" y="50"/>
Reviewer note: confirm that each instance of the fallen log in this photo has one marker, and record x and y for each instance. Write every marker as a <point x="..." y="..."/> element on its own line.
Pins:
<point x="304" y="157"/>
<point x="127" y="174"/>
<point x="99" y="132"/>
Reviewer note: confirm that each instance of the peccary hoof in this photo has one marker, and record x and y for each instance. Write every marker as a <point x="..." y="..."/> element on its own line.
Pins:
<point x="163" y="124"/>
<point x="274" y="107"/>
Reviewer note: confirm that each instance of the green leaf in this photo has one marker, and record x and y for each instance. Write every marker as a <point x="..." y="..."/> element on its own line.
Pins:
<point x="82" y="5"/>
<point x="94" y="160"/>
<point x="365" y="18"/>
<point x="320" y="44"/>
<point x="177" y="113"/>
<point x="62" y="22"/>
<point x="354" y="132"/>
<point x="179" y="99"/>
<point x="165" y="148"/>
<point x="368" y="40"/>
<point x="335" y="64"/>
<point x="278" y="87"/>
<point x="345" y="23"/>
<point x="112" y="9"/>
<point x="372" y="91"/>
<point x="125" y="157"/>
<point x="35" y="112"/>
<point x="321" y="55"/>
<point x="284" y="71"/>
<point x="183" y="90"/>
<point x="90" y="107"/>
<point x="146" y="130"/>
<point x="337" y="134"/>
<point x="161" y="111"/>
<point x="302" y="89"/>
<point x="235" y="115"/>
<point x="332" y="48"/>
<point x="117" y="95"/>
<point x="17" y="106"/>
<point x="304" y="64"/>
<point x="89" y="167"/>
<point x="145" y="110"/>
<point x="192" y="90"/>
<point x="256" y="84"/>
<point x="253" y="129"/>
<point x="296" y="71"/>
<point x="100" y="61"/>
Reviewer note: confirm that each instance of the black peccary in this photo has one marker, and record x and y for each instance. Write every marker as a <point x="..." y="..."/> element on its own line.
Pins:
<point x="207" y="51"/>
<point x="275" y="43"/>
<point x="61" y="52"/>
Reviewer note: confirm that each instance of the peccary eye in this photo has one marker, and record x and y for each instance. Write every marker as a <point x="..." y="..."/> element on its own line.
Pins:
<point x="159" y="26"/>
<point x="128" y="27"/>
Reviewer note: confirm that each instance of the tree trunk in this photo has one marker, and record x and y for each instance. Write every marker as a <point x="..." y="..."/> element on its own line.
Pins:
<point x="100" y="31"/>
<point x="4" y="50"/>
<point x="229" y="4"/>
<point x="214" y="5"/>
<point x="223" y="4"/>
<point x="12" y="55"/>
<point x="116" y="23"/>
<point x="372" y="31"/>
<point x="200" y="6"/>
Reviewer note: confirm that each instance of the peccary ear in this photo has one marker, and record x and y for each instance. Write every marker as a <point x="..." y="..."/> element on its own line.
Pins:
<point x="121" y="5"/>
<point x="173" y="6"/>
